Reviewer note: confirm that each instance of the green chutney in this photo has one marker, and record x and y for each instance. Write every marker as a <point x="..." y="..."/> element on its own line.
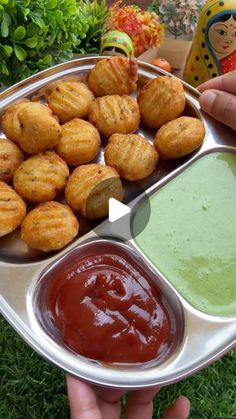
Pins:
<point x="191" y="233"/>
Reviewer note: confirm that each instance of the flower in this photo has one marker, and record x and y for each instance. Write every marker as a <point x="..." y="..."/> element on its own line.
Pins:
<point x="143" y="27"/>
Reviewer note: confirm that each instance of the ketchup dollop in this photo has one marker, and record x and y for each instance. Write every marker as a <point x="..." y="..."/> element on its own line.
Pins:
<point x="106" y="310"/>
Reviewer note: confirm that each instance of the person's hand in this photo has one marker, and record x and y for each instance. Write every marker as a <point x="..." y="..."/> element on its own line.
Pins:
<point x="100" y="403"/>
<point x="219" y="98"/>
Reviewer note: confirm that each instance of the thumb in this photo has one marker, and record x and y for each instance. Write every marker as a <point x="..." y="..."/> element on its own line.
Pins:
<point x="220" y="105"/>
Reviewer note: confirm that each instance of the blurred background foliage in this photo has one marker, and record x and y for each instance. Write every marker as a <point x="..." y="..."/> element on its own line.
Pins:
<point x="36" y="34"/>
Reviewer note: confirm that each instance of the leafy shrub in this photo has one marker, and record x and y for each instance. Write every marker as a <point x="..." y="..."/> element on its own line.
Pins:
<point x="36" y="34"/>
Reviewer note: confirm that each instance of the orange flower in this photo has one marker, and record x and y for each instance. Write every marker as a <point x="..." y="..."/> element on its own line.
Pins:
<point x="143" y="27"/>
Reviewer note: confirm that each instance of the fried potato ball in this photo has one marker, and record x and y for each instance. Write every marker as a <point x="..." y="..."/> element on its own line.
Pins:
<point x="12" y="209"/>
<point x="46" y="90"/>
<point x="11" y="157"/>
<point x="11" y="125"/>
<point x="70" y="100"/>
<point x="114" y="76"/>
<point x="179" y="137"/>
<point x="90" y="187"/>
<point x="131" y="155"/>
<point x="39" y="128"/>
<point x="32" y="125"/>
<point x="49" y="226"/>
<point x="114" y="114"/>
<point x="161" y="100"/>
<point x="41" y="177"/>
<point x="79" y="142"/>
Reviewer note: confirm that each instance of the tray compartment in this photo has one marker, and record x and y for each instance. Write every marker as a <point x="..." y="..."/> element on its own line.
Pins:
<point x="12" y="249"/>
<point x="96" y="248"/>
<point x="196" y="250"/>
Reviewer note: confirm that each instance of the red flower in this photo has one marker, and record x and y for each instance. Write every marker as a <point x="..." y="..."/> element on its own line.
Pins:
<point x="143" y="27"/>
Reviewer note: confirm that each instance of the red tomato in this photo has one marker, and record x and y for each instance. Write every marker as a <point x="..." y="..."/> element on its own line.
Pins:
<point x="161" y="63"/>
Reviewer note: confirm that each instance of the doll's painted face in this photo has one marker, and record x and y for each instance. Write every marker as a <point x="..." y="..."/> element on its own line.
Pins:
<point x="222" y="37"/>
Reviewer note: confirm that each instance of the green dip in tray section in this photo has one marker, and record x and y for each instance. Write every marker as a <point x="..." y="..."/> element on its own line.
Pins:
<point x="191" y="234"/>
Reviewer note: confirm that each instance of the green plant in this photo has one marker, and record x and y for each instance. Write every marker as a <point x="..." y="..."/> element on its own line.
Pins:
<point x="179" y="16"/>
<point x="95" y="14"/>
<point x="35" y="34"/>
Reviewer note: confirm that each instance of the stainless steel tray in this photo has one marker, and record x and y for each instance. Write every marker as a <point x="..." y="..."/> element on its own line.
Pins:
<point x="205" y="338"/>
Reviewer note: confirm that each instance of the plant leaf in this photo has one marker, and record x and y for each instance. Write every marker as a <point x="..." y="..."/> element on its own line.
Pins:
<point x="6" y="21"/>
<point x="40" y="22"/>
<point x="7" y="50"/>
<point x="24" y="10"/>
<point x="19" y="33"/>
<point x="59" y="17"/>
<point x="52" y="4"/>
<point x="20" y="52"/>
<point x="4" y="69"/>
<point x="32" y="29"/>
<point x="26" y="3"/>
<point x="45" y="60"/>
<point x="36" y="18"/>
<point x="31" y="42"/>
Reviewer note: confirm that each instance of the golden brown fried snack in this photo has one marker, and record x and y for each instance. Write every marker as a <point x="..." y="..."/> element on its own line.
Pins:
<point x="114" y="76"/>
<point x="45" y="91"/>
<point x="179" y="137"/>
<point x="12" y="209"/>
<point x="161" y="100"/>
<point x="70" y="99"/>
<point x="50" y="226"/>
<point x="79" y="142"/>
<point x="114" y="114"/>
<point x="41" y="177"/>
<point x="11" y="125"/>
<point x="131" y="155"/>
<point x="39" y="128"/>
<point x="90" y="187"/>
<point x="11" y="157"/>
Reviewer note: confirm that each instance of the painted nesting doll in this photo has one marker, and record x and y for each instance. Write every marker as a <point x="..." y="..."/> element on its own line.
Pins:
<point x="213" y="51"/>
<point x="117" y="43"/>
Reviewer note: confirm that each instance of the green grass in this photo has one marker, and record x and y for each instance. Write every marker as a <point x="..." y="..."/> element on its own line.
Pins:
<point x="32" y="388"/>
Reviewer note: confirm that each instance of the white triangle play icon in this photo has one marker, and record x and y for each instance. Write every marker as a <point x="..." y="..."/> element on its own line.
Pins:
<point x="117" y="210"/>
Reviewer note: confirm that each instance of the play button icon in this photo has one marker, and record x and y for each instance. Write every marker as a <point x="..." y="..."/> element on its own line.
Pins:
<point x="117" y="210"/>
<point x="105" y="198"/>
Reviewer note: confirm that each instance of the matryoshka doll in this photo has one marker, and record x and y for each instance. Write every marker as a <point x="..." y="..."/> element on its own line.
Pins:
<point x="213" y="51"/>
<point x="117" y="43"/>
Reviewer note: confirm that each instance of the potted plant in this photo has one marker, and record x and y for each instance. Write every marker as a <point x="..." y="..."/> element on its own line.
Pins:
<point x="180" y="19"/>
<point x="35" y="34"/>
<point x="179" y="16"/>
<point x="143" y="27"/>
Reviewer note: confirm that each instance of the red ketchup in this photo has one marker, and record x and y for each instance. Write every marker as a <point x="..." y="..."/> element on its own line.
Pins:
<point x="107" y="310"/>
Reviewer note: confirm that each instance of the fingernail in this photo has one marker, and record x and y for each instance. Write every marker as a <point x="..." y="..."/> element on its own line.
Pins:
<point x="207" y="99"/>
